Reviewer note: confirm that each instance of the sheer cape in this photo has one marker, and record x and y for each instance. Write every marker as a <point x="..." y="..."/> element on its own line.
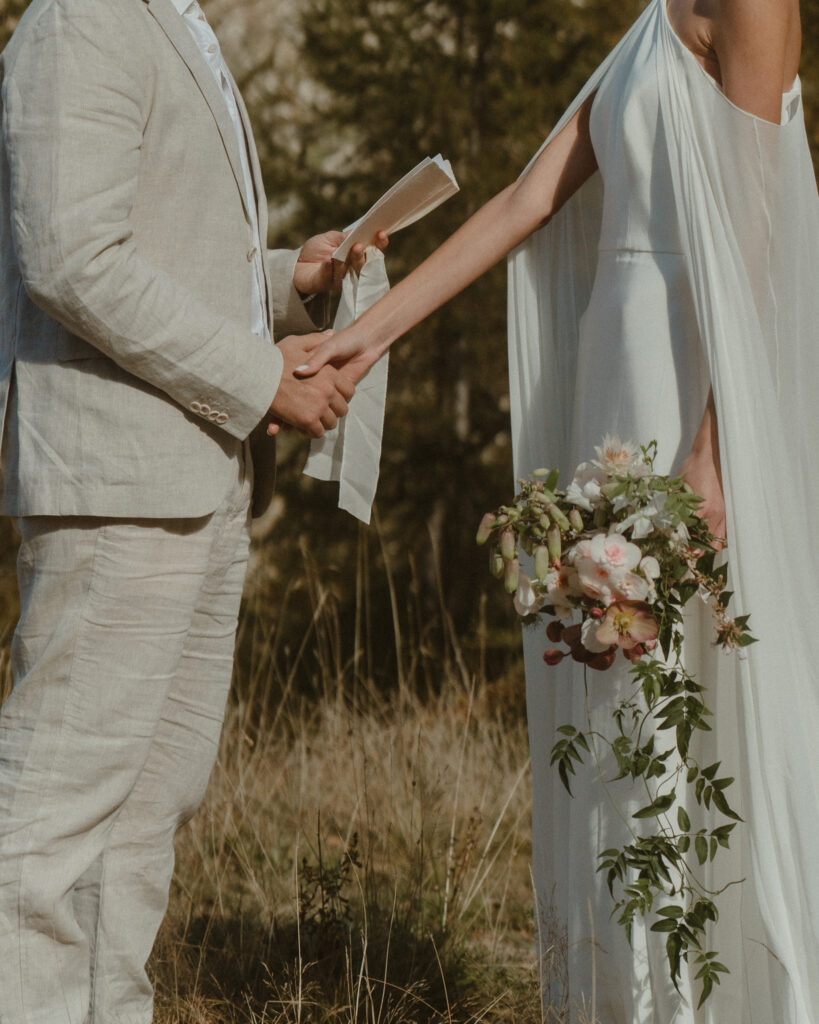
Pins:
<point x="749" y="219"/>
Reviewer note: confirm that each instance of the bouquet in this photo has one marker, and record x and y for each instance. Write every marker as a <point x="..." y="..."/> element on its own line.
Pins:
<point x="613" y="559"/>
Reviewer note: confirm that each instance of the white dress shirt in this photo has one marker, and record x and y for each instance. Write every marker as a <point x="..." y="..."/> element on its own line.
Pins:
<point x="208" y="44"/>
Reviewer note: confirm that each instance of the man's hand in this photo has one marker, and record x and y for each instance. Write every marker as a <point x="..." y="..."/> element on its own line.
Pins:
<point x="317" y="271"/>
<point x="314" y="405"/>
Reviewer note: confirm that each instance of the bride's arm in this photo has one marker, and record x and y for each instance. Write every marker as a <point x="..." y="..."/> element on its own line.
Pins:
<point x="497" y="227"/>
<point x="757" y="43"/>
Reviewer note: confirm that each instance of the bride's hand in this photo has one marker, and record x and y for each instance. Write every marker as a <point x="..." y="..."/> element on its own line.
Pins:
<point x="701" y="471"/>
<point x="344" y="350"/>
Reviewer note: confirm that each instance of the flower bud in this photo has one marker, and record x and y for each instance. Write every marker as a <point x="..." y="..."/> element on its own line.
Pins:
<point x="558" y="516"/>
<point x="496" y="563"/>
<point x="508" y="547"/>
<point x="576" y="520"/>
<point x="485" y="529"/>
<point x="545" y="522"/>
<point x="541" y="473"/>
<point x="542" y="561"/>
<point x="553" y="656"/>
<point x="596" y="612"/>
<point x="603" y="661"/>
<point x="511" y="576"/>
<point x="555" y="543"/>
<point x="554" y="631"/>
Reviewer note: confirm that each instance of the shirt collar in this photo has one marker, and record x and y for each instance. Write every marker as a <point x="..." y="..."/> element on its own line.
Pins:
<point x="182" y="5"/>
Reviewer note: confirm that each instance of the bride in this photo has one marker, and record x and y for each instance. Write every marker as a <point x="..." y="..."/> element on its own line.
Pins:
<point x="664" y="244"/>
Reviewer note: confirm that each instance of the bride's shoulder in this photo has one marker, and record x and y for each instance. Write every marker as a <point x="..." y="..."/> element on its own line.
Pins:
<point x="761" y="38"/>
<point x="777" y="21"/>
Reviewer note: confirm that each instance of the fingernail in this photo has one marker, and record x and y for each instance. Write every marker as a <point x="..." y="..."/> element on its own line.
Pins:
<point x="300" y="368"/>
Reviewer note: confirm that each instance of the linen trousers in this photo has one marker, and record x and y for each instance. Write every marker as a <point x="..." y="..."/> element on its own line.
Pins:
<point x="122" y="662"/>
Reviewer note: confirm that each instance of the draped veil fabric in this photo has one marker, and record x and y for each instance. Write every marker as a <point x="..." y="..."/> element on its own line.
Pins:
<point x="746" y="202"/>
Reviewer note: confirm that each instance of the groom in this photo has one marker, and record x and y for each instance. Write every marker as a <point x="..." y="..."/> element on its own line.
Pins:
<point x="137" y="304"/>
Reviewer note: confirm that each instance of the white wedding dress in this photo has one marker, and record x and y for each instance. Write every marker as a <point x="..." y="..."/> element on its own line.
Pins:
<point x="685" y="262"/>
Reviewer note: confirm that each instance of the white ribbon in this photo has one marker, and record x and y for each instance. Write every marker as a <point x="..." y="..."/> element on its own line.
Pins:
<point x="351" y="452"/>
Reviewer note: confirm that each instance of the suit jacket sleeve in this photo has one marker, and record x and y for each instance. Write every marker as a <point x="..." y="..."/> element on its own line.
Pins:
<point x="291" y="315"/>
<point x="73" y="122"/>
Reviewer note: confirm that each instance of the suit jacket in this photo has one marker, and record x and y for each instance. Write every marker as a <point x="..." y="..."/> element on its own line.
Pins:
<point x="129" y="376"/>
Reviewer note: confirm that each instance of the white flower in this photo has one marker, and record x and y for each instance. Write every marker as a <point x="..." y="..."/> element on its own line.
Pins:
<point x="613" y="551"/>
<point x="561" y="586"/>
<point x="578" y="550"/>
<point x="584" y="490"/>
<point x="650" y="567"/>
<point x="604" y="564"/>
<point x="648" y="518"/>
<point x="620" y="458"/>
<point x="680" y="536"/>
<point x="526" y="601"/>
<point x="632" y="587"/>
<point x="589" y="639"/>
<point x="598" y="581"/>
<point x="641" y="523"/>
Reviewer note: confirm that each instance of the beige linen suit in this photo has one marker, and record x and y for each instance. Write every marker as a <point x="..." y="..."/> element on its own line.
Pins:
<point x="128" y="364"/>
<point x="130" y="383"/>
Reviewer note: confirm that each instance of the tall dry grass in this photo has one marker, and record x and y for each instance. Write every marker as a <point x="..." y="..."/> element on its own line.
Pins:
<point x="360" y="857"/>
<point x="358" y="868"/>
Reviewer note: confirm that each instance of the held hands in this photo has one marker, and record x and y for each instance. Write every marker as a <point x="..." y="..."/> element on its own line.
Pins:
<point x="317" y="271"/>
<point x="345" y="350"/>
<point x="310" y="406"/>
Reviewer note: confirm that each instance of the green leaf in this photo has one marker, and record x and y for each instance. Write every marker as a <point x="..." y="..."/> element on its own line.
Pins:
<point x="683" y="820"/>
<point x="701" y="848"/>
<point x="672" y="911"/>
<point x="707" y="986"/>
<point x="659" y="806"/>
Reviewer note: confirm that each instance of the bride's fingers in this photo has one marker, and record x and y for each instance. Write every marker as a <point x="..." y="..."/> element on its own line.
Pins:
<point x="325" y="353"/>
<point x="311" y="342"/>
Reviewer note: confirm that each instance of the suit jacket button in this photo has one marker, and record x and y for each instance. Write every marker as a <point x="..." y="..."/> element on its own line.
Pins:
<point x="251" y="254"/>
<point x="196" y="406"/>
<point x="222" y="418"/>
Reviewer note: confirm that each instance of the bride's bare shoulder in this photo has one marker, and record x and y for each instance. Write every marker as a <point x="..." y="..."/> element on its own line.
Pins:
<point x="751" y="47"/>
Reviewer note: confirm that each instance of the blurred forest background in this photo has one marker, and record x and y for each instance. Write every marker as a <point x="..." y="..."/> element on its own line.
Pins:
<point x="363" y="852"/>
<point x="345" y="97"/>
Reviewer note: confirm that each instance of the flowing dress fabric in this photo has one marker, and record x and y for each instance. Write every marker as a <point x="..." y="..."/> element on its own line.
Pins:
<point x="689" y="259"/>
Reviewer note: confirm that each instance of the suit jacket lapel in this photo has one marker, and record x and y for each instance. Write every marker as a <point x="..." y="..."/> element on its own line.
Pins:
<point x="177" y="32"/>
<point x="258" y="188"/>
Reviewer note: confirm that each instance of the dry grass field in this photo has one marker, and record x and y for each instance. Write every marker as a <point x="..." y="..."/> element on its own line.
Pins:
<point x="356" y="868"/>
<point x="360" y="858"/>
